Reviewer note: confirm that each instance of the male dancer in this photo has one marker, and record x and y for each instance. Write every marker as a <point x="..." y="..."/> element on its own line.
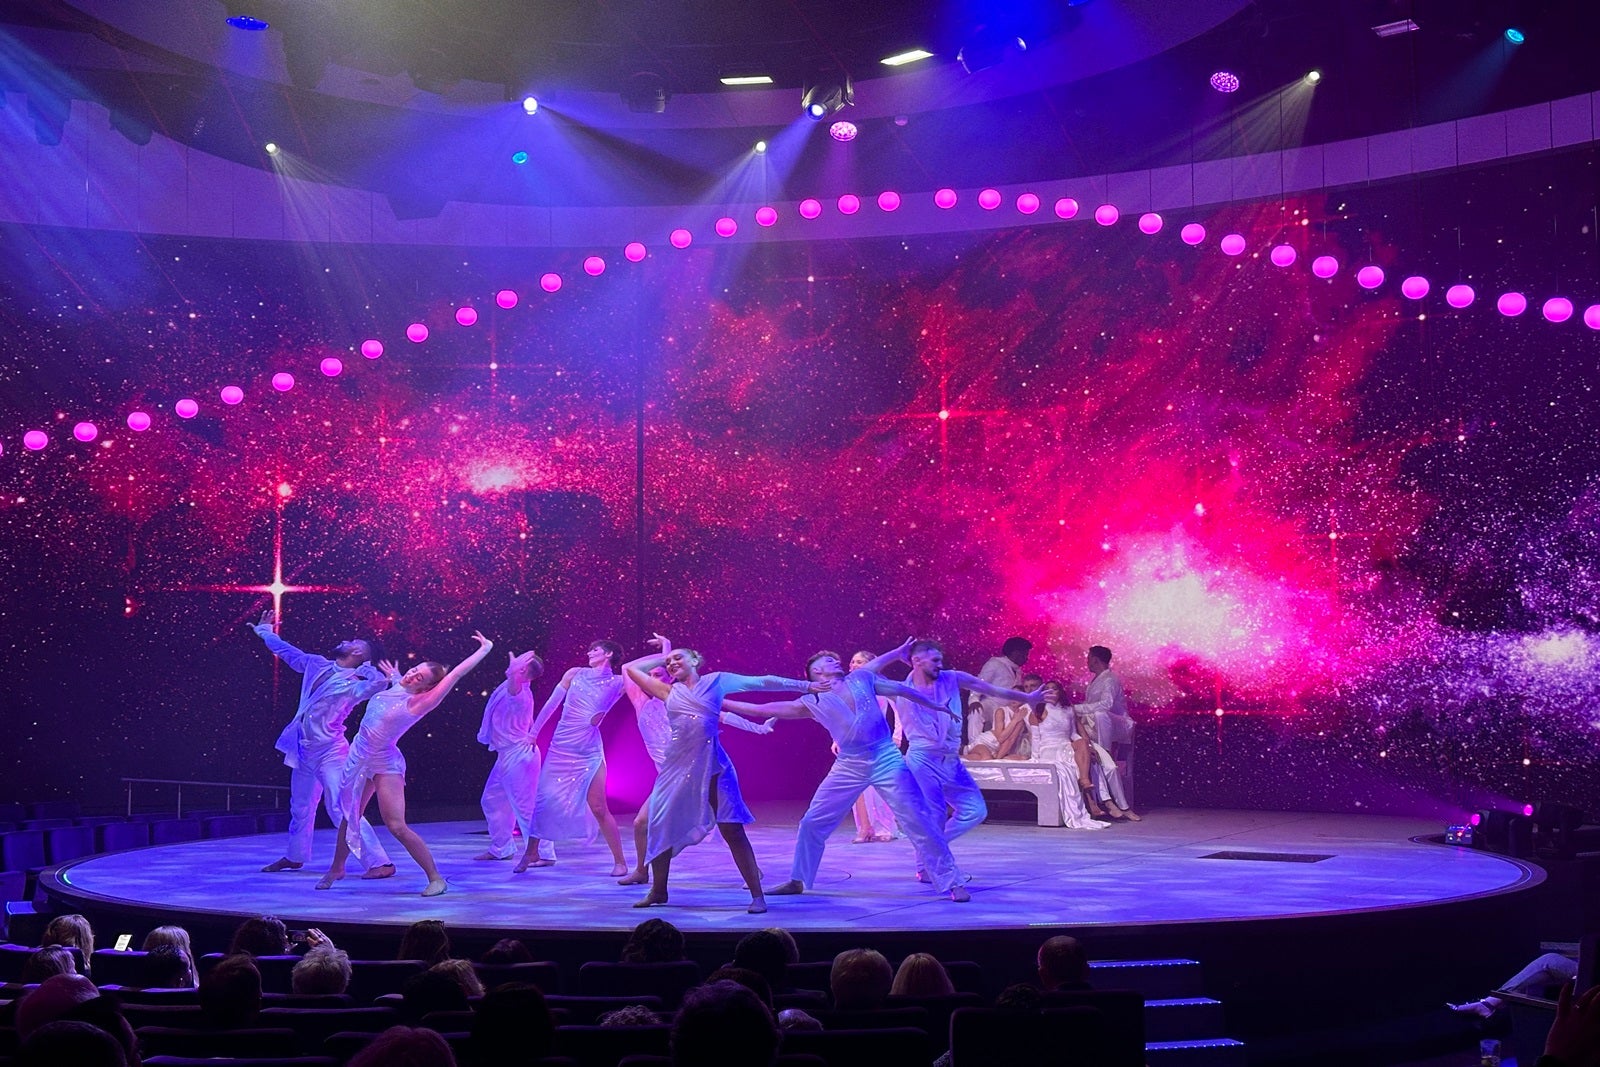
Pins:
<point x="314" y="745"/>
<point x="867" y="756"/>
<point x="935" y="753"/>
<point x="508" y="795"/>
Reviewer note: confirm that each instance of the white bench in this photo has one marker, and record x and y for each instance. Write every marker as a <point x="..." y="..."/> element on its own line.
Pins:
<point x="1036" y="778"/>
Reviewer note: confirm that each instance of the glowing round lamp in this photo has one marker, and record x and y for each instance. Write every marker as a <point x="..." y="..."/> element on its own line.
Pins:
<point x="843" y="130"/>
<point x="1224" y="81"/>
<point x="1066" y="208"/>
<point x="1415" y="287"/>
<point x="634" y="252"/>
<point x="1150" y="223"/>
<point x="86" y="431"/>
<point x="1193" y="233"/>
<point x="372" y="348"/>
<point x="1324" y="266"/>
<point x="283" y="381"/>
<point x="332" y="366"/>
<point x="550" y="282"/>
<point x="726" y="227"/>
<point x="945" y="198"/>
<point x="681" y="238"/>
<point x="888" y="200"/>
<point x="506" y="298"/>
<point x="810" y="209"/>
<point x="138" y="421"/>
<point x="1511" y="304"/>
<point x="186" y="408"/>
<point x="1232" y="244"/>
<point x="1107" y="214"/>
<point x="766" y="216"/>
<point x="1370" y="276"/>
<point x="1557" y="309"/>
<point x="466" y="316"/>
<point x="417" y="333"/>
<point x="34" y="440"/>
<point x="232" y="394"/>
<point x="989" y="199"/>
<point x="1591" y="316"/>
<point x="594" y="266"/>
<point x="1460" y="296"/>
<point x="1283" y="255"/>
<point x="849" y="204"/>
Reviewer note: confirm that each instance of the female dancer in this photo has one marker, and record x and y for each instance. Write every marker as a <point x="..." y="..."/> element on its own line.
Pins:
<point x="697" y="789"/>
<point x="1055" y="734"/>
<point x="376" y="767"/>
<point x="874" y="820"/>
<point x="571" y="801"/>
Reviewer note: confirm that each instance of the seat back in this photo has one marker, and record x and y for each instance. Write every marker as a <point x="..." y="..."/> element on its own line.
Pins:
<point x="171" y="831"/>
<point x="939" y="1010"/>
<point x="1063" y="1037"/>
<point x="180" y="1016"/>
<point x="313" y="1026"/>
<point x="547" y="976"/>
<point x="900" y="1017"/>
<point x="865" y="1048"/>
<point x="370" y="979"/>
<point x="966" y="977"/>
<point x="602" y="1046"/>
<point x="22" y="850"/>
<point x="669" y="981"/>
<point x="253" y="1043"/>
<point x="116" y="836"/>
<point x="586" y="1011"/>
<point x="159" y="996"/>
<point x="118" y="968"/>
<point x="12" y="960"/>
<point x="277" y="972"/>
<point x="228" y="825"/>
<point x="1122" y="1037"/>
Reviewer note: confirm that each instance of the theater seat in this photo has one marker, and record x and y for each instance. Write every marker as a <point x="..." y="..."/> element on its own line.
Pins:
<point x="866" y="1048"/>
<point x="669" y="981"/>
<point x="254" y="1043"/>
<point x="586" y="1011"/>
<point x="547" y="976"/>
<point x="987" y="1037"/>
<point x="600" y="1046"/>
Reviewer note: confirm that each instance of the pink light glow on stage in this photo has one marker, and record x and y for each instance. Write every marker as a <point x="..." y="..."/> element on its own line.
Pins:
<point x="1232" y="244"/>
<point x="1192" y="234"/>
<point x="1066" y="208"/>
<point x="466" y="316"/>
<point x="372" y="348"/>
<point x="1557" y="309"/>
<point x="1370" y="276"/>
<point x="1591" y="316"/>
<point x="332" y="366"/>
<point x="809" y="208"/>
<point x="550" y="282"/>
<point x="945" y="198"/>
<point x="417" y="333"/>
<point x="1283" y="255"/>
<point x="634" y="252"/>
<point x="34" y="440"/>
<point x="86" y="431"/>
<point x="766" y="216"/>
<point x="849" y="204"/>
<point x="681" y="238"/>
<point x="1415" y="287"/>
<point x="1511" y="304"/>
<point x="726" y="227"/>
<point x="1028" y="203"/>
<point x="138" y="421"/>
<point x="283" y="381"/>
<point x="1150" y="223"/>
<point x="186" y="408"/>
<point x="594" y="266"/>
<point x="1107" y="214"/>
<point x="1325" y="266"/>
<point x="232" y="394"/>
<point x="1460" y="296"/>
<point x="989" y="199"/>
<point x="506" y="298"/>
<point x="888" y="200"/>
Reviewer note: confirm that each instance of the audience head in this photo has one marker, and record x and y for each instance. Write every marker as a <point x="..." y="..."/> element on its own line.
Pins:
<point x="168" y="967"/>
<point x="1063" y="964"/>
<point x="405" y="1046"/>
<point x="425" y="940"/>
<point x="176" y="938"/>
<point x="507" y="950"/>
<point x="56" y="998"/>
<point x="324" y="970"/>
<point x="920" y="975"/>
<point x="791" y="950"/>
<point x="47" y="963"/>
<point x="73" y="931"/>
<point x="70" y="1041"/>
<point x="798" y="1019"/>
<point x="860" y="979"/>
<point x="723" y="1024"/>
<point x="429" y="992"/>
<point x="261" y="936"/>
<point x="745" y="977"/>
<point x="1019" y="998"/>
<point x="230" y="993"/>
<point x="461" y="973"/>
<point x="767" y="954"/>
<point x="512" y="1024"/>
<point x="654" y="941"/>
<point x="630" y="1015"/>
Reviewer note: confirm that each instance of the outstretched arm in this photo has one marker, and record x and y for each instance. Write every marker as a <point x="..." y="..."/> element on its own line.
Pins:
<point x="902" y="654"/>
<point x="755" y="683"/>
<point x="739" y="722"/>
<point x="781" y="709"/>
<point x="978" y="685"/>
<point x="638" y="671"/>
<point x="422" y="703"/>
<point x="292" y="656"/>
<point x="888" y="688"/>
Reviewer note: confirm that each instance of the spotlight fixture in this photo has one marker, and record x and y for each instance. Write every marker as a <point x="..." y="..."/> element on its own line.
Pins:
<point x="1514" y="35"/>
<point x="1225" y="81"/>
<point x="646" y="93"/>
<point x="988" y="46"/>
<point x="1313" y="77"/>
<point x="272" y="148"/>
<point x="827" y="93"/>
<point x="900" y="59"/>
<point x="247" y="22"/>
<point x="530" y="104"/>
<point x="1396" y="28"/>
<point x="761" y="147"/>
<point x="746" y="79"/>
<point x="843" y="130"/>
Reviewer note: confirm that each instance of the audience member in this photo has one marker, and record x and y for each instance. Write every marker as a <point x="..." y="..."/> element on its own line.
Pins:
<point x="1541" y="978"/>
<point x="860" y="980"/>
<point x="512" y="1024"/>
<point x="745" y="977"/>
<point x="461" y="973"/>
<point x="68" y="1041"/>
<point x="798" y="1019"/>
<point x="168" y="967"/>
<point x="177" y="939"/>
<point x="405" y="1046"/>
<point x="324" y="970"/>
<point x="723" y="1024"/>
<point x="507" y="950"/>
<point x="429" y="992"/>
<point x="230" y="993"/>
<point x="1574" y="1037"/>
<point x="1021" y="998"/>
<point x="630" y="1015"/>
<point x="1063" y="964"/>
<point x="55" y="998"/>
<point x="47" y="963"/>
<point x="425" y="940"/>
<point x="653" y="941"/>
<point x="767" y="954"/>
<point x="261" y="936"/>
<point x="72" y="931"/>
<point x="920" y="975"/>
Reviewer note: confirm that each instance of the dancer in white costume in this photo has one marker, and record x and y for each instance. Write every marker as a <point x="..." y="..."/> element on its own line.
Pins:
<point x="314" y="746"/>
<point x="874" y="821"/>
<point x="1103" y="713"/>
<point x="935" y="753"/>
<point x="697" y="790"/>
<point x="376" y="767"/>
<point x="1055" y="733"/>
<point x="508" y="795"/>
<point x="571" y="805"/>
<point x="656" y="731"/>
<point x="867" y="757"/>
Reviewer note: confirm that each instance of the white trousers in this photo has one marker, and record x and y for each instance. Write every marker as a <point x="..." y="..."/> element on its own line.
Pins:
<point x="317" y="779"/>
<point x="508" y="800"/>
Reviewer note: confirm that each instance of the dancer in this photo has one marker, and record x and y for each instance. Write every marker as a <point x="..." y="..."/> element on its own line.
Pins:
<point x="314" y="745"/>
<point x="376" y="767"/>
<point x="697" y="789"/>
<point x="656" y="731"/>
<point x="571" y="802"/>
<point x="1004" y="670"/>
<point x="1056" y="742"/>
<point x="874" y="821"/>
<point x="935" y="753"/>
<point x="867" y="757"/>
<point x="1104" y="713"/>
<point x="509" y="794"/>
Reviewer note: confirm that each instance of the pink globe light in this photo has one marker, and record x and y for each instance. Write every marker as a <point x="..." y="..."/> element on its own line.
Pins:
<point x="1066" y="208"/>
<point x="945" y="198"/>
<point x="849" y="204"/>
<point x="810" y="209"/>
<point x="416" y="333"/>
<point x="888" y="200"/>
<point x="1150" y="223"/>
<point x="1324" y="266"/>
<point x="1591" y="316"/>
<point x="1415" y="287"/>
<point x="467" y="316"/>
<point x="371" y="348"/>
<point x="1511" y="304"/>
<point x="681" y="238"/>
<point x="138" y="421"/>
<point x="1370" y="276"/>
<point x="332" y="366"/>
<point x="34" y="440"/>
<point x="552" y="282"/>
<point x="843" y="130"/>
<point x="283" y="381"/>
<point x="1557" y="309"/>
<point x="726" y="227"/>
<point x="506" y="298"/>
<point x="989" y="199"/>
<point x="594" y="266"/>
<point x="1193" y="233"/>
<point x="1283" y="255"/>
<point x="1028" y="203"/>
<point x="1107" y="214"/>
<point x="86" y="431"/>
<point x="1224" y="81"/>
<point x="1232" y="244"/>
<point x="1460" y="296"/>
<point x="766" y="216"/>
<point x="232" y="394"/>
<point x="186" y="408"/>
<point x="634" y="252"/>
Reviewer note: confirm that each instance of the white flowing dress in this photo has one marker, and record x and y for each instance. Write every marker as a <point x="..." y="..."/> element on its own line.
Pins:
<point x="1052" y="744"/>
<point x="561" y="808"/>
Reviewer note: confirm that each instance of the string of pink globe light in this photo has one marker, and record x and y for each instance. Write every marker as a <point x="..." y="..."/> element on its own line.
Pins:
<point x="1511" y="304"/>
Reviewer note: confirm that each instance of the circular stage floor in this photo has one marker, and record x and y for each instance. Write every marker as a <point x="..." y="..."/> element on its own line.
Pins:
<point x="1176" y="867"/>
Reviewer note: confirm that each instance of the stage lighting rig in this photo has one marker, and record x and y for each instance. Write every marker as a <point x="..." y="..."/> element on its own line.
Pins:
<point x="827" y="92"/>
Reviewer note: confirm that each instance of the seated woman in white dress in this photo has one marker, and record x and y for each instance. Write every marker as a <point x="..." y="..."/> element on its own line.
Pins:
<point x="1106" y="791"/>
<point x="1054" y="730"/>
<point x="375" y="766"/>
<point x="1006" y="740"/>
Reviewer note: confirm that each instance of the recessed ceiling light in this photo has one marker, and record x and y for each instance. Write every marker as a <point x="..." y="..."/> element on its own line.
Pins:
<point x="900" y="59"/>
<point x="746" y="79"/>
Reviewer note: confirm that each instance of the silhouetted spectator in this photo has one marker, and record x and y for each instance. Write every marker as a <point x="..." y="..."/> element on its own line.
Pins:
<point x="767" y="954"/>
<point x="860" y="980"/>
<point x="324" y="970"/>
<point x="512" y="1024"/>
<point x="1574" y="1037"/>
<point x="654" y="941"/>
<point x="798" y="1019"/>
<point x="429" y="992"/>
<point x="72" y="931"/>
<point x="507" y="950"/>
<point x="1021" y="998"/>
<point x="261" y="936"/>
<point x="921" y="975"/>
<point x="168" y="967"/>
<point x="177" y="939"/>
<point x="425" y="940"/>
<point x="745" y="977"/>
<point x="55" y="998"/>
<point x="1063" y="964"/>
<point x="70" y="1042"/>
<point x="230" y="993"/>
<point x="461" y="973"/>
<point x="629" y="1015"/>
<point x="47" y="963"/>
<point x="723" y="1024"/>
<point x="405" y="1046"/>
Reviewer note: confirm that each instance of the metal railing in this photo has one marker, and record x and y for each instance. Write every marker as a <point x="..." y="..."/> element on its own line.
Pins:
<point x="227" y="788"/>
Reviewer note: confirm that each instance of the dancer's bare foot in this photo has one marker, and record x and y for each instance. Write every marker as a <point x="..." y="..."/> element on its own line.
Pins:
<point x="380" y="870"/>
<point x="618" y="870"/>
<point x="635" y="877"/>
<point x="1132" y="815"/>
<point x="758" y="905"/>
<point x="327" y="880"/>
<point x="491" y="856"/>
<point x="285" y="864"/>
<point x="533" y="860"/>
<point x="883" y="837"/>
<point x="436" y="887"/>
<point x="652" y="898"/>
<point x="960" y="895"/>
<point x="792" y="888"/>
<point x="860" y="839"/>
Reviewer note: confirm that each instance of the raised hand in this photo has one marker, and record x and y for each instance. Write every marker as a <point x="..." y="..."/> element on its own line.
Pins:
<point x="268" y="618"/>
<point x="1036" y="696"/>
<point x="658" y="641"/>
<point x="388" y="668"/>
<point x="483" y="641"/>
